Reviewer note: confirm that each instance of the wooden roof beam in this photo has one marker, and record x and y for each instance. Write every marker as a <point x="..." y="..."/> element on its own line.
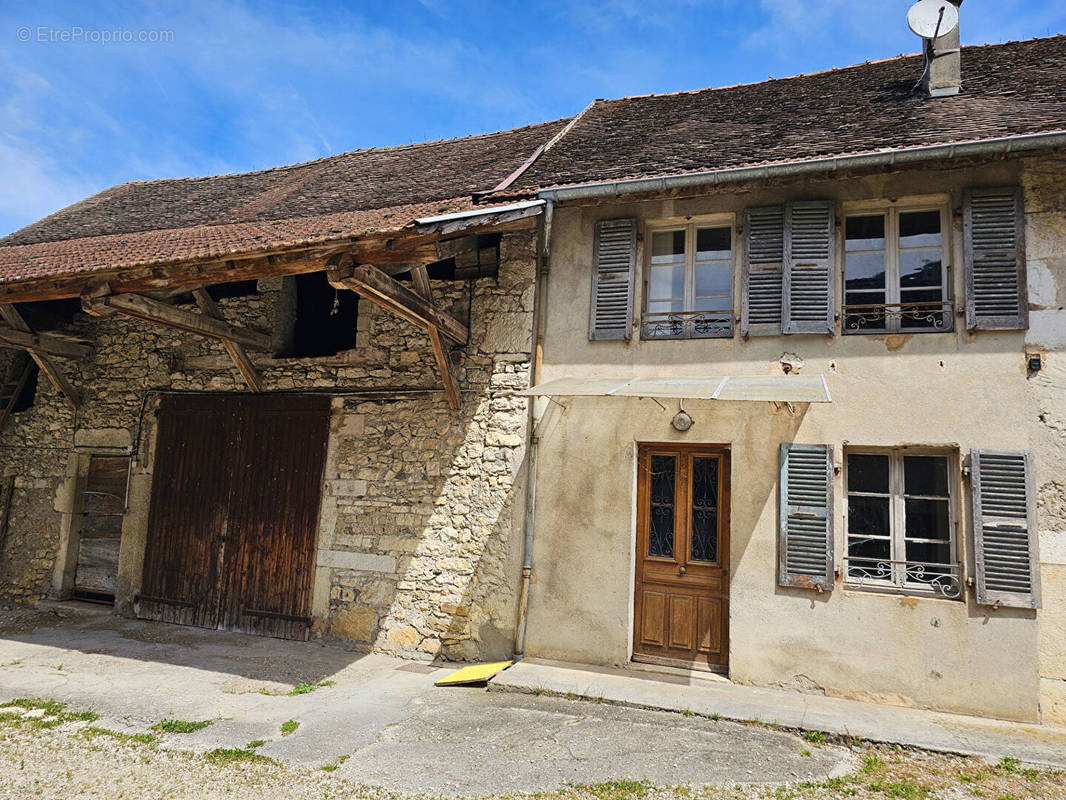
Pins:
<point x="100" y="304"/>
<point x="236" y="352"/>
<point x="46" y="343"/>
<point x="377" y="287"/>
<point x="444" y="364"/>
<point x="55" y="376"/>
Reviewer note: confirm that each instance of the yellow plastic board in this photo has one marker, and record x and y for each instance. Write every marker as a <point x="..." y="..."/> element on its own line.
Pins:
<point x="478" y="673"/>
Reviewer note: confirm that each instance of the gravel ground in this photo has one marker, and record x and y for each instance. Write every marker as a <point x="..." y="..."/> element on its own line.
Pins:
<point x="73" y="759"/>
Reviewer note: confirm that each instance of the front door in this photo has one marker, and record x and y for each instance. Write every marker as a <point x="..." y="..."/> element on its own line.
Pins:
<point x="682" y="571"/>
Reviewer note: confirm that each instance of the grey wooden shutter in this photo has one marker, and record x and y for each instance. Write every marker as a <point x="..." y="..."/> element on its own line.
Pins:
<point x="994" y="237"/>
<point x="805" y="503"/>
<point x="614" y="271"/>
<point x="808" y="304"/>
<point x="1006" y="551"/>
<point x="764" y="258"/>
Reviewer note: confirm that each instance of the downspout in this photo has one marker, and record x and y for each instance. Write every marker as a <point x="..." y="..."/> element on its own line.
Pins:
<point x="540" y="297"/>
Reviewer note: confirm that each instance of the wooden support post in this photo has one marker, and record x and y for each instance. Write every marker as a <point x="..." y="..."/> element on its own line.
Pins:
<point x="133" y="305"/>
<point x="244" y="364"/>
<point x="46" y="365"/>
<point x="421" y="280"/>
<point x="46" y="343"/>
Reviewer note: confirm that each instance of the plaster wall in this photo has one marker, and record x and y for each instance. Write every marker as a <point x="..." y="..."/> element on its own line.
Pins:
<point x="951" y="389"/>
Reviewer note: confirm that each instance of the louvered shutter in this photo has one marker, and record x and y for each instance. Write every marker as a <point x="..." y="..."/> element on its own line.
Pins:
<point x="805" y="500"/>
<point x="994" y="235"/>
<point x="764" y="258"/>
<point x="808" y="303"/>
<point x="614" y="270"/>
<point x="1004" y="523"/>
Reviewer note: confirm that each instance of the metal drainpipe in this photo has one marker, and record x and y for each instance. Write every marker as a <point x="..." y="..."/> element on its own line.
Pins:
<point x="540" y="309"/>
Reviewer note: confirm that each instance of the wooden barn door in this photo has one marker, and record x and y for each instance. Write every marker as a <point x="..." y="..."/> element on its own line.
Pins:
<point x="681" y="596"/>
<point x="232" y="525"/>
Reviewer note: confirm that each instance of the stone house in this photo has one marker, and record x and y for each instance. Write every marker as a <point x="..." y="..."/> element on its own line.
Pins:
<point x="763" y="380"/>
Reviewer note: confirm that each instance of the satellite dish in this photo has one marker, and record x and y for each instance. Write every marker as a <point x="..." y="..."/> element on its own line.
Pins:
<point x="931" y="19"/>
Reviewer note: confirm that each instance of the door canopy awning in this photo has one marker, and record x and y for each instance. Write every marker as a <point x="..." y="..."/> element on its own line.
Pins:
<point x="772" y="388"/>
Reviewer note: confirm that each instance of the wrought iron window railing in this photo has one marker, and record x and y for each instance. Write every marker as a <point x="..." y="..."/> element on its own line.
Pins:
<point x="906" y="577"/>
<point x="934" y="315"/>
<point x="687" y="325"/>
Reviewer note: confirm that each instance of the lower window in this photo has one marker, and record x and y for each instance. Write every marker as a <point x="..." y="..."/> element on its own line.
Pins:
<point x="901" y="527"/>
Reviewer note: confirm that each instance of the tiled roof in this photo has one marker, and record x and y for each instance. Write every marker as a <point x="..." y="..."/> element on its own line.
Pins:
<point x="1007" y="89"/>
<point x="353" y="194"/>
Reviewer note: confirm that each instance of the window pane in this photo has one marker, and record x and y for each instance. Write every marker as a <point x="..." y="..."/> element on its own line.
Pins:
<point x="869" y="559"/>
<point x="919" y="229"/>
<point x="927" y="519"/>
<point x="865" y="233"/>
<point x="925" y="475"/>
<point x="667" y="282"/>
<point x="867" y="473"/>
<point x="713" y="279"/>
<point x="665" y="306"/>
<point x="713" y="243"/>
<point x="868" y="516"/>
<point x="919" y="268"/>
<point x="704" y="509"/>
<point x="661" y="524"/>
<point x="713" y="304"/>
<point x="864" y="271"/>
<point x="928" y="553"/>
<point x="668" y="247"/>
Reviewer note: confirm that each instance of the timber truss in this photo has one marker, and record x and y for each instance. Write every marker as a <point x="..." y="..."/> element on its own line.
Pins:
<point x="366" y="267"/>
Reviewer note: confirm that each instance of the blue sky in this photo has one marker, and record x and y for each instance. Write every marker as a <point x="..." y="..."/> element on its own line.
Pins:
<point x="242" y="86"/>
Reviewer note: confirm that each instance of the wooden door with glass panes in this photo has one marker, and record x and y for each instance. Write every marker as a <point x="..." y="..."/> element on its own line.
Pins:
<point x="681" y="596"/>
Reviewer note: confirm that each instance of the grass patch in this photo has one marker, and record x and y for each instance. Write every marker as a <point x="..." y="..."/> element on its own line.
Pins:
<point x="304" y="687"/>
<point x="54" y="713"/>
<point x="1009" y="764"/>
<point x="181" y="725"/>
<point x="814" y="737"/>
<point x="289" y="726"/>
<point x="236" y="755"/>
<point x="904" y="790"/>
<point x="255" y="743"/>
<point x="615" y="790"/>
<point x="139" y="738"/>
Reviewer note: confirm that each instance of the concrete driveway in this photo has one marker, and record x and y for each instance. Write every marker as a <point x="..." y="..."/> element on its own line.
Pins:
<point x="400" y="732"/>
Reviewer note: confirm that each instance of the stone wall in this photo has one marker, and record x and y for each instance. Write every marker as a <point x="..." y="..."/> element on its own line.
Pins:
<point x="420" y="525"/>
<point x="1045" y="230"/>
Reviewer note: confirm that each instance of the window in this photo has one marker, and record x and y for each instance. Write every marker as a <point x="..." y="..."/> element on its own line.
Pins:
<point x="901" y="532"/>
<point x="895" y="277"/>
<point x="689" y="288"/>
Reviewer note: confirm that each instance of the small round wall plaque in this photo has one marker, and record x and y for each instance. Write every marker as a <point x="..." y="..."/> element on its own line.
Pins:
<point x="682" y="421"/>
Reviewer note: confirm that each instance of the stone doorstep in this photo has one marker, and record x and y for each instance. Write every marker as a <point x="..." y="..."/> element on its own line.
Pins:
<point x="709" y="695"/>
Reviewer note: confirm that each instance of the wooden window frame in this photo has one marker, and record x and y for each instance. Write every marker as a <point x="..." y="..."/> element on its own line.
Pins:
<point x="896" y="583"/>
<point x="690" y="225"/>
<point x="891" y="212"/>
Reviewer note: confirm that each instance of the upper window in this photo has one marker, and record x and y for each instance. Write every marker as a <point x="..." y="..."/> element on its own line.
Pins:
<point x="901" y="522"/>
<point x="689" y="288"/>
<point x="895" y="277"/>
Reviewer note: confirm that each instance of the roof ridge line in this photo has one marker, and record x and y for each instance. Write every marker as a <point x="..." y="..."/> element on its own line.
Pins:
<point x="798" y="75"/>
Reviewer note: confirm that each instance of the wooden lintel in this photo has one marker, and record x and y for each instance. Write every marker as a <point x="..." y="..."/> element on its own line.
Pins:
<point x="422" y="286"/>
<point x="144" y="308"/>
<point x="373" y="284"/>
<point x="46" y="343"/>
<point x="55" y="376"/>
<point x="244" y="364"/>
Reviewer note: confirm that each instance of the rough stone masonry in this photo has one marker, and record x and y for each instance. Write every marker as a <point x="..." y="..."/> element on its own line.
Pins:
<point x="420" y="523"/>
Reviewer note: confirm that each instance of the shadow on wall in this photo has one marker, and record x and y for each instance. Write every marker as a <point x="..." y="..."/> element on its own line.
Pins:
<point x="432" y="519"/>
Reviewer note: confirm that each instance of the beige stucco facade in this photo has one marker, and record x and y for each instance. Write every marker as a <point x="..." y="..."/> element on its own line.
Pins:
<point x="955" y="390"/>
